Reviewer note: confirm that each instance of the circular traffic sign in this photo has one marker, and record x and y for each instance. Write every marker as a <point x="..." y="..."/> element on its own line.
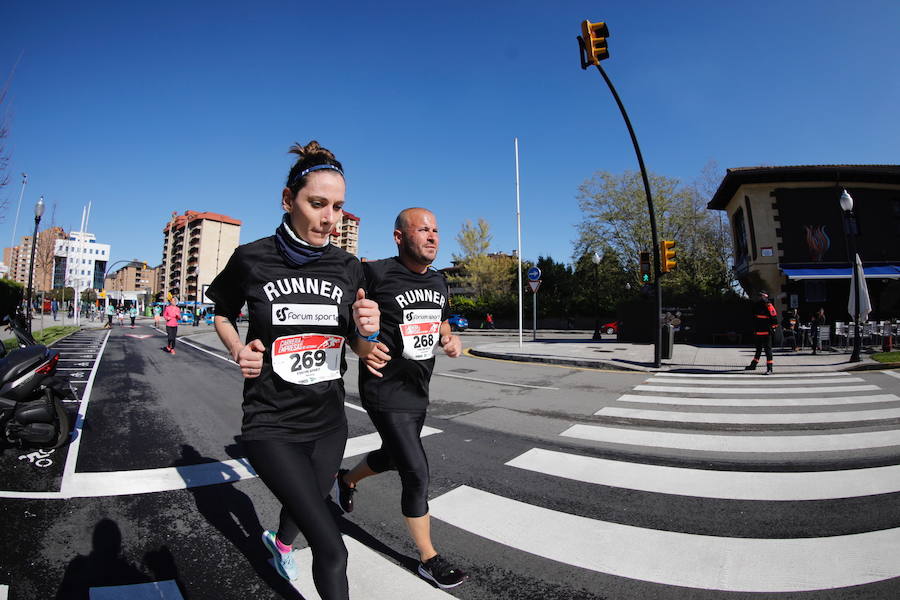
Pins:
<point x="534" y="274"/>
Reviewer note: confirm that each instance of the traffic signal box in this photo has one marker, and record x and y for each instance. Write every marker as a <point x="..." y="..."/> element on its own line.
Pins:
<point x="666" y="256"/>
<point x="645" y="267"/>
<point x="594" y="36"/>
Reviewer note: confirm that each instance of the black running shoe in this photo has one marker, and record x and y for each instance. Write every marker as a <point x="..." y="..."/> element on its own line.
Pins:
<point x="343" y="492"/>
<point x="441" y="572"/>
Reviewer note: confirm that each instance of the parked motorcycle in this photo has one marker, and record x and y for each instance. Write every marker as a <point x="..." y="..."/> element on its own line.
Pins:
<point x="31" y="409"/>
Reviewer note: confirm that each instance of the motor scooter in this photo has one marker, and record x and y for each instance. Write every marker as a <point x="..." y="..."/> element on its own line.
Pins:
<point x="31" y="409"/>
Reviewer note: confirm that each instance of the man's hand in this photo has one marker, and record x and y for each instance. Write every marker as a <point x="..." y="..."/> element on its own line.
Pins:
<point x="452" y="345"/>
<point x="377" y="359"/>
<point x="366" y="315"/>
<point x="250" y="359"/>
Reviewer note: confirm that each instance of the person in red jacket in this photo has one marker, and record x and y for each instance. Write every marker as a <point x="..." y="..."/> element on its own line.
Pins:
<point x="765" y="319"/>
<point x="171" y="315"/>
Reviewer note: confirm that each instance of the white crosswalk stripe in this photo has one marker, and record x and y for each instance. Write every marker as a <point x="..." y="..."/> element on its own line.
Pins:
<point x="746" y="563"/>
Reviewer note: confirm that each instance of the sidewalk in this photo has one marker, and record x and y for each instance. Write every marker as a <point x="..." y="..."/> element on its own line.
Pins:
<point x="626" y="356"/>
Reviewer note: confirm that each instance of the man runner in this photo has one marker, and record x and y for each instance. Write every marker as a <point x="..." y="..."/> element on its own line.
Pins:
<point x="412" y="297"/>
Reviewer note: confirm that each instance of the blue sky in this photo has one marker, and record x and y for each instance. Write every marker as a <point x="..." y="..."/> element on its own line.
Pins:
<point x="149" y="108"/>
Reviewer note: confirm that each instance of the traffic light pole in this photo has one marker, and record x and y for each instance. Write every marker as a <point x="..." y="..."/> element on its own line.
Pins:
<point x="657" y="340"/>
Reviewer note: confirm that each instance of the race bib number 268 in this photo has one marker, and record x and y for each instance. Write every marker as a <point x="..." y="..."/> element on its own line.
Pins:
<point x="307" y="358"/>
<point x="421" y="332"/>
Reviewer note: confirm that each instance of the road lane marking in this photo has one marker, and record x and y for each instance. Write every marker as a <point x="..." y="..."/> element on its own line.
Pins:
<point x="370" y="576"/>
<point x="702" y="483"/>
<point x="892" y="374"/>
<point x="154" y="590"/>
<point x="163" y="479"/>
<point x="739" y="402"/>
<point x="535" y="387"/>
<point x="735" y="442"/>
<point x="747" y="375"/>
<point x="78" y="429"/>
<point x="756" y="381"/>
<point x="741" y="390"/>
<point x="751" y="418"/>
<point x="673" y="558"/>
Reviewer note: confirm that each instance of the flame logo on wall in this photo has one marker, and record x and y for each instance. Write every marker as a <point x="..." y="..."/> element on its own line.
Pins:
<point x="817" y="241"/>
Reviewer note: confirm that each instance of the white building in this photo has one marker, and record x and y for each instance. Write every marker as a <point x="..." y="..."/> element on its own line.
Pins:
<point x="80" y="262"/>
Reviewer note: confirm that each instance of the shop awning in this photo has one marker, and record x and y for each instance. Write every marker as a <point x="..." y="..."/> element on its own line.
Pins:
<point x="882" y="272"/>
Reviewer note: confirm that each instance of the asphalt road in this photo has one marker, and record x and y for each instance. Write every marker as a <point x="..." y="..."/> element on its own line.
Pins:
<point x="547" y="483"/>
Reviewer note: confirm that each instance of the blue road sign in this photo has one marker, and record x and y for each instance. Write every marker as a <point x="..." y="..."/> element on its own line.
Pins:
<point x="534" y="274"/>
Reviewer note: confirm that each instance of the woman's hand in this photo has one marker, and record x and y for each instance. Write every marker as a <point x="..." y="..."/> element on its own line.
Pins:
<point x="366" y="315"/>
<point x="377" y="359"/>
<point x="250" y="359"/>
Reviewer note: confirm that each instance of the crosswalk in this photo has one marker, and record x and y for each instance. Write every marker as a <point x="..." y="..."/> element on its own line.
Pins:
<point x="732" y="419"/>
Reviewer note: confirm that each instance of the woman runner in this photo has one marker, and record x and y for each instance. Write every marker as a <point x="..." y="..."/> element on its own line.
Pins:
<point x="306" y="303"/>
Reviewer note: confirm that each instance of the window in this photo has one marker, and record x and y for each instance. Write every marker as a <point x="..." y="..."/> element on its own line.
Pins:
<point x="814" y="291"/>
<point x="740" y="237"/>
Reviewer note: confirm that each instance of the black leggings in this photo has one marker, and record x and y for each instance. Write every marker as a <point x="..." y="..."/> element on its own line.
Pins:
<point x="170" y="331"/>
<point x="402" y="450"/>
<point x="763" y="342"/>
<point x="301" y="475"/>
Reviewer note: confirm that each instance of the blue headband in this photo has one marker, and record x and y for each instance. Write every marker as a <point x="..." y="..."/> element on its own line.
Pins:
<point x="306" y="172"/>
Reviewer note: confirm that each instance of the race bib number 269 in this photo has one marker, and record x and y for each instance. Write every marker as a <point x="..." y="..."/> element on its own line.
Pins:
<point x="421" y="332"/>
<point x="307" y="358"/>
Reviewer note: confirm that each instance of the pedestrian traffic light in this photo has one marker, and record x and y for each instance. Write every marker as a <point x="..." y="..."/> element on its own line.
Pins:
<point x="594" y="37"/>
<point x="666" y="256"/>
<point x="645" y="267"/>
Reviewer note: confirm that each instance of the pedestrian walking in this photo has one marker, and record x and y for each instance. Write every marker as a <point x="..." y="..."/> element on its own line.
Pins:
<point x="765" y="319"/>
<point x="490" y="321"/>
<point x="817" y="322"/>
<point x="110" y="313"/>
<point x="412" y="298"/>
<point x="171" y="315"/>
<point x="54" y="308"/>
<point x="157" y="316"/>
<point x="196" y="316"/>
<point x="306" y="305"/>
<point x="789" y="328"/>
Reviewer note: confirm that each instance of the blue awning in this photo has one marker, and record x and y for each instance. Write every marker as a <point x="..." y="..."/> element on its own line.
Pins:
<point x="882" y="272"/>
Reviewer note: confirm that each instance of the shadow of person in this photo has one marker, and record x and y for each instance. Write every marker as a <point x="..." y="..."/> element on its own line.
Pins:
<point x="362" y="536"/>
<point x="230" y="511"/>
<point x="162" y="564"/>
<point x="104" y="566"/>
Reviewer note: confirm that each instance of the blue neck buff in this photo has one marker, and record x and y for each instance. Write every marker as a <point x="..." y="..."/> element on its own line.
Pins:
<point x="294" y="250"/>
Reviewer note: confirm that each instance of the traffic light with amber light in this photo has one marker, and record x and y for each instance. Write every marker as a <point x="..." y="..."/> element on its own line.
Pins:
<point x="645" y="267"/>
<point x="594" y="37"/>
<point x="666" y="256"/>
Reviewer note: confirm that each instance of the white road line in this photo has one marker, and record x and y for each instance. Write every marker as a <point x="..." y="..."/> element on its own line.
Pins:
<point x="534" y="387"/>
<point x="155" y="590"/>
<point x="731" y="375"/>
<point x="743" y="390"/>
<point x="78" y="430"/>
<point x="756" y="381"/>
<point x="892" y="374"/>
<point x="672" y="558"/>
<point x="370" y="575"/>
<point x="4" y="592"/>
<point x="730" y="485"/>
<point x="738" y="402"/>
<point x="751" y="418"/>
<point x="736" y="442"/>
<point x="354" y="407"/>
<point x="147" y="481"/>
<point x="195" y="346"/>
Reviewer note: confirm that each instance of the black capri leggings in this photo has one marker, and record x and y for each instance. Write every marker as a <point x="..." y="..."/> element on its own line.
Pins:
<point x="402" y="450"/>
<point x="170" y="331"/>
<point x="301" y="475"/>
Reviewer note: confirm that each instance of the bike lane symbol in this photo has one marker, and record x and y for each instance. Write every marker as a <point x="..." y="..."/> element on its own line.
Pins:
<point x="39" y="458"/>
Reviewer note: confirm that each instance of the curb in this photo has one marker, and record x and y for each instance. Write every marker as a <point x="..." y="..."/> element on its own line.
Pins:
<point x="568" y="362"/>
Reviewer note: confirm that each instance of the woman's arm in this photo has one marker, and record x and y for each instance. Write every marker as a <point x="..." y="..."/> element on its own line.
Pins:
<point x="249" y="357"/>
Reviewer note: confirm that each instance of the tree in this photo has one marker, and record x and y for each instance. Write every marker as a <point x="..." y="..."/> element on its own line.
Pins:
<point x="474" y="240"/>
<point x="616" y="221"/>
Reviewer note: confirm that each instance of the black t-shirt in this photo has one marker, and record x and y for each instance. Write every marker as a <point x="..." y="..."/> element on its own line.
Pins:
<point x="412" y="306"/>
<point x="303" y="317"/>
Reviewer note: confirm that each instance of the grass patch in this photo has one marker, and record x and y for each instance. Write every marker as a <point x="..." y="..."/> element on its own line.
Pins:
<point x="44" y="336"/>
<point x="887" y="357"/>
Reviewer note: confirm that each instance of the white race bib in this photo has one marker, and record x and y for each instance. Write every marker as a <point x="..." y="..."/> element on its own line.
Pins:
<point x="307" y="358"/>
<point x="421" y="332"/>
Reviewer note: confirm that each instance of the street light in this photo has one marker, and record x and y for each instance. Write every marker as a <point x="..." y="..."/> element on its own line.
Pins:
<point x="850" y="231"/>
<point x="596" y="260"/>
<point x="38" y="213"/>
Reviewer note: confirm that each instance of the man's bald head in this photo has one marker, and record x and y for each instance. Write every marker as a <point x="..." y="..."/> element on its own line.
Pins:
<point x="407" y="214"/>
<point x="416" y="236"/>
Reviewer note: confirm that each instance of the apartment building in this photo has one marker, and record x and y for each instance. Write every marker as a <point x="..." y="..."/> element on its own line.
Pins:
<point x="196" y="247"/>
<point x="136" y="277"/>
<point x="79" y="261"/>
<point x="346" y="233"/>
<point x="18" y="258"/>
